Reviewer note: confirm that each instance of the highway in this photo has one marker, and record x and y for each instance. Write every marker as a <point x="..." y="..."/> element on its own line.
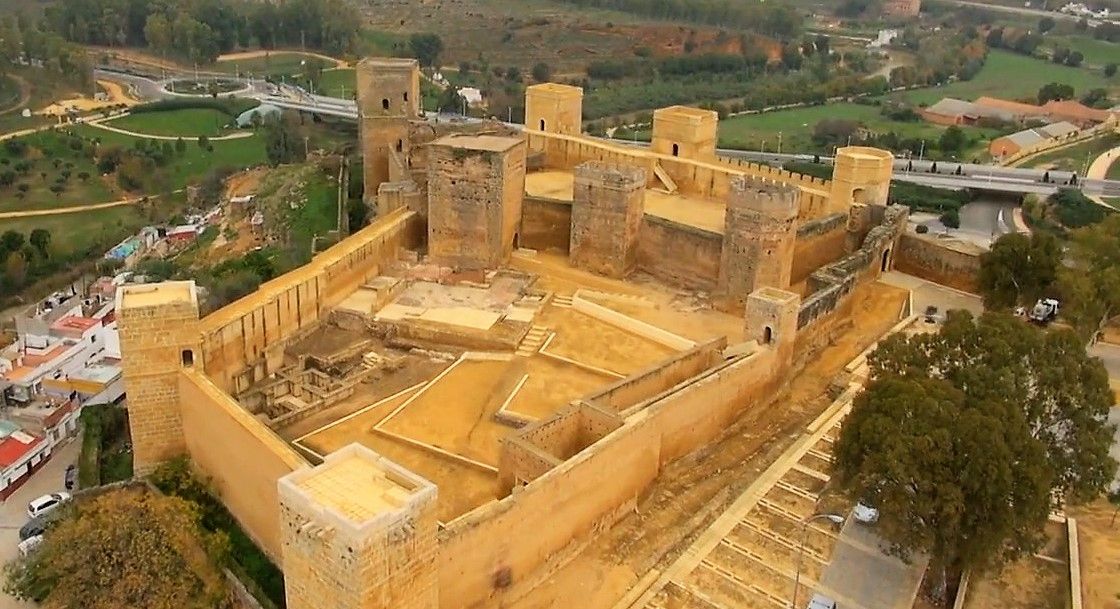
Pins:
<point x="941" y="174"/>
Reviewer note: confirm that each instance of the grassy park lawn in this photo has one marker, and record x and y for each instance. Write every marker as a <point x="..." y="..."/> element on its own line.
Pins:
<point x="1011" y="76"/>
<point x="749" y="131"/>
<point x="195" y="162"/>
<point x="282" y="63"/>
<point x="1076" y="157"/>
<point x="49" y="159"/>
<point x="189" y="122"/>
<point x="82" y="231"/>
<point x="339" y="82"/>
<point x="1096" y="52"/>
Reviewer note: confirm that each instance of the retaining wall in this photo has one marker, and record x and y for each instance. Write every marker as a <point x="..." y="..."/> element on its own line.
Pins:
<point x="944" y="262"/>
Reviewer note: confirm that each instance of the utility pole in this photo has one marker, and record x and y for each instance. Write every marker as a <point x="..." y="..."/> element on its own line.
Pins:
<point x="779" y="142"/>
<point x="922" y="151"/>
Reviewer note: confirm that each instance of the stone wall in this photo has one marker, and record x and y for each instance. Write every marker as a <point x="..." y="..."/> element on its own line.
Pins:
<point x="759" y="233"/>
<point x="546" y="224"/>
<point x="243" y="342"/>
<point x="819" y="242"/>
<point x="240" y="457"/>
<point x="607" y="209"/>
<point x="657" y="378"/>
<point x="950" y="263"/>
<point x="679" y="254"/>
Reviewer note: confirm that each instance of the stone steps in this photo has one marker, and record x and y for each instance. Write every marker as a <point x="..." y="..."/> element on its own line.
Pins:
<point x="564" y="302"/>
<point x="532" y="342"/>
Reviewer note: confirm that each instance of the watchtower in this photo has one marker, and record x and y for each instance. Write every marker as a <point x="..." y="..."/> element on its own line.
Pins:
<point x="159" y="335"/>
<point x="607" y="205"/>
<point x="554" y="108"/>
<point x="476" y="184"/>
<point x="685" y="132"/>
<point x="771" y="319"/>
<point x="760" y="230"/>
<point x="388" y="98"/>
<point x="860" y="175"/>
<point x="358" y="532"/>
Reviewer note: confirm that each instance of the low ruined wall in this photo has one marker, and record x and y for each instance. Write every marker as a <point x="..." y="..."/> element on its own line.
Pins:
<point x="946" y="263"/>
<point x="657" y="378"/>
<point x="240" y="457"/>
<point x="819" y="242"/>
<point x="679" y="254"/>
<point x="629" y="324"/>
<point x="542" y="525"/>
<point x="243" y="341"/>
<point x="546" y="224"/>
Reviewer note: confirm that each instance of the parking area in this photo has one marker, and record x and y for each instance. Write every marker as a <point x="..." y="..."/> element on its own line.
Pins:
<point x="13" y="511"/>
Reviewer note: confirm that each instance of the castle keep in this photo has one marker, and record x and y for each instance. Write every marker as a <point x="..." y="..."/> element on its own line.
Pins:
<point x="449" y="405"/>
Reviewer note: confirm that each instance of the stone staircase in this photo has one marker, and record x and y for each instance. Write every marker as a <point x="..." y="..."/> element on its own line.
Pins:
<point x="562" y="301"/>
<point x="532" y="342"/>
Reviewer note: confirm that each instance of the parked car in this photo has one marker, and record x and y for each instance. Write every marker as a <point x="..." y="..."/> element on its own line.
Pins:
<point x="865" y="513"/>
<point x="38" y="526"/>
<point x="28" y="545"/>
<point x="46" y="504"/>
<point x="820" y="601"/>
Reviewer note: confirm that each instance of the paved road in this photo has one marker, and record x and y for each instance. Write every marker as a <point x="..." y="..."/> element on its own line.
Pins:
<point x="862" y="570"/>
<point x="13" y="511"/>
<point x="1022" y="10"/>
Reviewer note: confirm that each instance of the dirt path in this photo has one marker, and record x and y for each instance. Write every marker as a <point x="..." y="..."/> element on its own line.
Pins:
<point x="101" y="125"/>
<point x="1099" y="169"/>
<point x="7" y="215"/>
<point x="24" y="94"/>
<point x="338" y="63"/>
<point x="693" y="491"/>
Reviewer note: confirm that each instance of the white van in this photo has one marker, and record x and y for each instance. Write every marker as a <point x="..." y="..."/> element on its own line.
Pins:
<point x="46" y="504"/>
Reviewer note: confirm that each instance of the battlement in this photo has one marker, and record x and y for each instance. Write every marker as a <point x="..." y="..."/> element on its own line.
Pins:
<point x="610" y="175"/>
<point x="774" y="199"/>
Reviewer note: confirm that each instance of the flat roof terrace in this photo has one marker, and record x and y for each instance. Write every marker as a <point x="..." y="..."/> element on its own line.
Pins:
<point x="697" y="212"/>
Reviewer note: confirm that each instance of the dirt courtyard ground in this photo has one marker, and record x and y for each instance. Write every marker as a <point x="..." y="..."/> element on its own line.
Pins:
<point x="695" y="490"/>
<point x="1040" y="582"/>
<point x="1099" y="538"/>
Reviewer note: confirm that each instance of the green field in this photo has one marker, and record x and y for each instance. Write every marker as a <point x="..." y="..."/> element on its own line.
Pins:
<point x="1076" y="157"/>
<point x="195" y="162"/>
<point x="339" y="82"/>
<point x="275" y="65"/>
<point x="1011" y="76"/>
<point x="82" y="231"/>
<point x="749" y="131"/>
<point x="1096" y="52"/>
<point x="190" y="122"/>
<point x="49" y="158"/>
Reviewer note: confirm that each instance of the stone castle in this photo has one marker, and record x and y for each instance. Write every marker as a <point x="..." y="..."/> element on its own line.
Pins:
<point x="513" y="253"/>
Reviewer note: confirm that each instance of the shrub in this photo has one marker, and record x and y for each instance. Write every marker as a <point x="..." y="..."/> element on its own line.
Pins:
<point x="951" y="218"/>
<point x="922" y="229"/>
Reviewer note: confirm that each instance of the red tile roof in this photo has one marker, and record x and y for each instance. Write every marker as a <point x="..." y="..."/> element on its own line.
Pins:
<point x="12" y="450"/>
<point x="73" y="322"/>
<point x="55" y="417"/>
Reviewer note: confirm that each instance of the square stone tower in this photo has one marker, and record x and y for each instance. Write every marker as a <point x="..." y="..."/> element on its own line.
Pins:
<point x="159" y="335"/>
<point x="860" y="175"/>
<point x="760" y="230"/>
<point x="358" y="532"/>
<point x="771" y="319"/>
<point x="607" y="207"/>
<point x="554" y="108"/>
<point x="475" y="187"/>
<point x="685" y="132"/>
<point x="388" y="98"/>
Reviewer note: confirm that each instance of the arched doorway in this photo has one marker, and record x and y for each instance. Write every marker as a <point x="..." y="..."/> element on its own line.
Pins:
<point x="542" y="124"/>
<point x="676" y="150"/>
<point x="767" y="335"/>
<point x="886" y="260"/>
<point x="385" y="103"/>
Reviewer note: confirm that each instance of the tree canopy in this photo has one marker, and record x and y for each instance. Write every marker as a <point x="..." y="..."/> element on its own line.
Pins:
<point x="1019" y="269"/>
<point x="1090" y="279"/>
<point x="125" y="548"/>
<point x="967" y="438"/>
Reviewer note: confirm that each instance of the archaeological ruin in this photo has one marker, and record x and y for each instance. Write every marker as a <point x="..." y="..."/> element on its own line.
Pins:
<point x="447" y="407"/>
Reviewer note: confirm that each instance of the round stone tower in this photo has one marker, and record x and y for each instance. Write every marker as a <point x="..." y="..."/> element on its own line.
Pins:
<point x="860" y="175"/>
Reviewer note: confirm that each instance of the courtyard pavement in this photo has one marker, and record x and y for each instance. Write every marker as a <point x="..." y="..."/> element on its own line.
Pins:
<point x="861" y="570"/>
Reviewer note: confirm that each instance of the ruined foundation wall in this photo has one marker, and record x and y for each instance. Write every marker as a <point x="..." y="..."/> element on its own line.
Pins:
<point x="607" y="478"/>
<point x="819" y="243"/>
<point x="243" y="342"/>
<point x="607" y="209"/>
<point x="239" y="455"/>
<point x="546" y="224"/>
<point x="657" y="378"/>
<point x="679" y="254"/>
<point x="942" y="263"/>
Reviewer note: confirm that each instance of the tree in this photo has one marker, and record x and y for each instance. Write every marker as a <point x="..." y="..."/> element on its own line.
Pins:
<point x="281" y="142"/>
<point x="1090" y="279"/>
<point x="822" y="43"/>
<point x="1046" y="24"/>
<point x="1045" y="375"/>
<point x="959" y="479"/>
<point x="426" y="48"/>
<point x="513" y="74"/>
<point x="1054" y="91"/>
<point x="1097" y="98"/>
<point x="181" y="145"/>
<point x="1059" y="55"/>
<point x="542" y="72"/>
<point x="951" y="218"/>
<point x="149" y="551"/>
<point x="11" y="241"/>
<point x="40" y="239"/>
<point x="83" y="176"/>
<point x="1074" y="59"/>
<point x="1110" y="70"/>
<point x="15" y="270"/>
<point x="1019" y="269"/>
<point x="952" y="139"/>
<point x="203" y="142"/>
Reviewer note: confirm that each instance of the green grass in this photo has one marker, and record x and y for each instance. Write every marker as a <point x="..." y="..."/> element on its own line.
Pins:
<point x="43" y="149"/>
<point x="281" y="63"/>
<point x="1011" y="76"/>
<point x="9" y="92"/>
<point x="1076" y="157"/>
<point x="191" y="122"/>
<point x="82" y="230"/>
<point x="195" y="162"/>
<point x="1096" y="52"/>
<point x="796" y="126"/>
<point x="341" y="83"/>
